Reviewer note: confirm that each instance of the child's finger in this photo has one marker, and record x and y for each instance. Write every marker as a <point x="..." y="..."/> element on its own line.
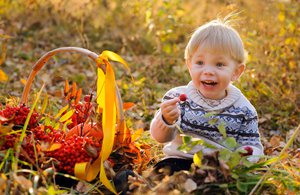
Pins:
<point x="174" y="114"/>
<point x="170" y="102"/>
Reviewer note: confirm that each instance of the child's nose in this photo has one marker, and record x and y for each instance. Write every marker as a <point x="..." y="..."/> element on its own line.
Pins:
<point x="208" y="70"/>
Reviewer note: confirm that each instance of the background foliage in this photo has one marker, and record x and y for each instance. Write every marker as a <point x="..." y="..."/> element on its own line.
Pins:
<point x="151" y="36"/>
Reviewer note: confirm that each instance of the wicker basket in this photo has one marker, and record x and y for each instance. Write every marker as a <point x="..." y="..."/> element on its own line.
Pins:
<point x="87" y="170"/>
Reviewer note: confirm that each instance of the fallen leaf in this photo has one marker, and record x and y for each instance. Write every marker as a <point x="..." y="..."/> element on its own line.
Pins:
<point x="275" y="141"/>
<point x="23" y="182"/>
<point x="190" y="185"/>
<point x="3" y="76"/>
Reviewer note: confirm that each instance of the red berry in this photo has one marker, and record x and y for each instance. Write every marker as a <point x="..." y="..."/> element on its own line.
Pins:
<point x="249" y="151"/>
<point x="183" y="97"/>
<point x="87" y="98"/>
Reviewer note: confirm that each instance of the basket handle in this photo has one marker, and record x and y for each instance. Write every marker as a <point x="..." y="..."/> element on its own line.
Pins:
<point x="44" y="59"/>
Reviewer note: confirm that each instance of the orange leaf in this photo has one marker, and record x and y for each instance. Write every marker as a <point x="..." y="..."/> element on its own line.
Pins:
<point x="78" y="95"/>
<point x="54" y="146"/>
<point x="3" y="76"/>
<point x="68" y="96"/>
<point x="128" y="105"/>
<point x="275" y="141"/>
<point x="67" y="88"/>
<point x="87" y="129"/>
<point x="74" y="90"/>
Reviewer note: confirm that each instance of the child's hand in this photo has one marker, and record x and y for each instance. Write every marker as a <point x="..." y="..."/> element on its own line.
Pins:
<point x="170" y="110"/>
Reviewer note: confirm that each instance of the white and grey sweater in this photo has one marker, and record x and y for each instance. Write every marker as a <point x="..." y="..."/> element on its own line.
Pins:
<point x="236" y="112"/>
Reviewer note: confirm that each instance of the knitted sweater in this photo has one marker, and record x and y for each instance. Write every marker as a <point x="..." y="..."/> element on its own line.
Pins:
<point x="235" y="111"/>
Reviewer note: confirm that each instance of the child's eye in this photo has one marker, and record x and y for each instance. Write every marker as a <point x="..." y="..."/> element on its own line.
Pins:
<point x="200" y="63"/>
<point x="219" y="64"/>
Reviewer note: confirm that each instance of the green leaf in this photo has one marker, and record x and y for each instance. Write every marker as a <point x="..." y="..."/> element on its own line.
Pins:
<point x="184" y="148"/>
<point x="246" y="162"/>
<point x="234" y="175"/>
<point x="241" y="186"/>
<point x="234" y="160"/>
<point x="230" y="142"/>
<point x="198" y="158"/>
<point x="186" y="139"/>
<point x="209" y="114"/>
<point x="213" y="121"/>
<point x="222" y="129"/>
<point x="225" y="154"/>
<point x="47" y="121"/>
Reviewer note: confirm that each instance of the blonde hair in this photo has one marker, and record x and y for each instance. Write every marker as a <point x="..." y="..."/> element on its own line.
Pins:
<point x="217" y="36"/>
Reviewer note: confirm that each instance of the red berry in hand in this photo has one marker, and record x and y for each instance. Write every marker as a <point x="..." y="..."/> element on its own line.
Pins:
<point x="249" y="151"/>
<point x="183" y="97"/>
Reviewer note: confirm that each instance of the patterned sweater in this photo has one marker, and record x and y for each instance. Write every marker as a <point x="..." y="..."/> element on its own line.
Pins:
<point x="235" y="111"/>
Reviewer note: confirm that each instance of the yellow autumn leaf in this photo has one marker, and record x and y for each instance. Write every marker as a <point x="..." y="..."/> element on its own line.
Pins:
<point x="137" y="134"/>
<point x="198" y="158"/>
<point x="3" y="76"/>
<point x="61" y="111"/>
<point x="66" y="116"/>
<point x="6" y="128"/>
<point x="64" y="128"/>
<point x="45" y="103"/>
<point x="54" y="146"/>
<point x="23" y="81"/>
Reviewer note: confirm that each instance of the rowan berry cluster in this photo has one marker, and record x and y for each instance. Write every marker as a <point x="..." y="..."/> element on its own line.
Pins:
<point x="17" y="115"/>
<point x="76" y="149"/>
<point x="7" y="141"/>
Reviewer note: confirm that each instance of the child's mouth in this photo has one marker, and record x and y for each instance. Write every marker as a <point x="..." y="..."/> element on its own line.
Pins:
<point x="211" y="83"/>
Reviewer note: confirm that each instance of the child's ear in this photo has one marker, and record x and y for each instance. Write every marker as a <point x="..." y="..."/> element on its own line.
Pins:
<point x="188" y="63"/>
<point x="238" y="72"/>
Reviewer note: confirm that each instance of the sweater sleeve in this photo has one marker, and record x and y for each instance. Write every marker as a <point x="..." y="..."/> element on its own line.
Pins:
<point x="159" y="129"/>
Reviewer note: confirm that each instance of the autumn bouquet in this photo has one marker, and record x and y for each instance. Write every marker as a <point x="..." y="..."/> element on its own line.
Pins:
<point x="82" y="135"/>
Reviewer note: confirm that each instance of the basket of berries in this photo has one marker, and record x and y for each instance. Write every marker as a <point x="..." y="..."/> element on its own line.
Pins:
<point x="84" y="133"/>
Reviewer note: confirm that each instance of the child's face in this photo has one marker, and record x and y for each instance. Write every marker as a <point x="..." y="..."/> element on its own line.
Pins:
<point x="212" y="72"/>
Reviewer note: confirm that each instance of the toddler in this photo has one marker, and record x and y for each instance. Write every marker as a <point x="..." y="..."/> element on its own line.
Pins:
<point x="215" y="58"/>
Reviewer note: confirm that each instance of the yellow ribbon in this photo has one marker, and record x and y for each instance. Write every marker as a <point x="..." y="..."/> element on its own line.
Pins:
<point x="107" y="102"/>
